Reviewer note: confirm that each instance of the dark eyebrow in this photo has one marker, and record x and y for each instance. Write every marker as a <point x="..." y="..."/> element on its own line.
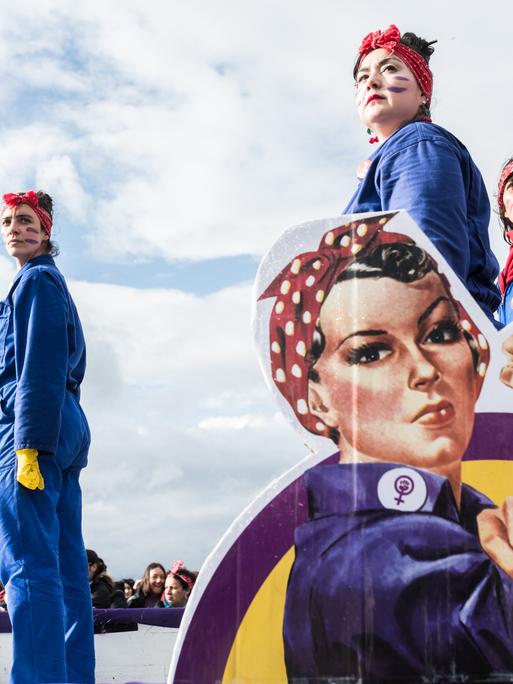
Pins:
<point x="420" y="320"/>
<point x="381" y="63"/>
<point x="363" y="333"/>
<point x="431" y="308"/>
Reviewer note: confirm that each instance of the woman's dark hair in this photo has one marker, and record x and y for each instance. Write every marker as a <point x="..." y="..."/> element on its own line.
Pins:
<point x="186" y="573"/>
<point x="94" y="558"/>
<point x="146" y="577"/>
<point x="506" y="224"/>
<point x="414" y="42"/>
<point x="399" y="261"/>
<point x="46" y="203"/>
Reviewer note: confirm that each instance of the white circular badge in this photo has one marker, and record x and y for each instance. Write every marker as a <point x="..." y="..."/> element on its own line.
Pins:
<point x="402" y="489"/>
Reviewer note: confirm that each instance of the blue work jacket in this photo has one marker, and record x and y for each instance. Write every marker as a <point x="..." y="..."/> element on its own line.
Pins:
<point x="42" y="354"/>
<point x="427" y="171"/>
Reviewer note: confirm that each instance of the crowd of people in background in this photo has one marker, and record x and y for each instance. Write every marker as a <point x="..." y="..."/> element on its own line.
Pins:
<point x="157" y="588"/>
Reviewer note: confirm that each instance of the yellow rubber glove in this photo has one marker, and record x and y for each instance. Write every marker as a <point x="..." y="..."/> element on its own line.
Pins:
<point x="28" y="473"/>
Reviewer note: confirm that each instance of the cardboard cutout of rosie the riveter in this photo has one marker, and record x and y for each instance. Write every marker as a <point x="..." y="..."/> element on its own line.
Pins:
<point x="371" y="560"/>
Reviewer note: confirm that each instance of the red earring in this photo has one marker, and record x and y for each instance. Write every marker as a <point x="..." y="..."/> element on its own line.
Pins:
<point x="372" y="139"/>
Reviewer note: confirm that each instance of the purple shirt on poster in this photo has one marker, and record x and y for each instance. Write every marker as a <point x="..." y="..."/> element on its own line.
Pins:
<point x="390" y="580"/>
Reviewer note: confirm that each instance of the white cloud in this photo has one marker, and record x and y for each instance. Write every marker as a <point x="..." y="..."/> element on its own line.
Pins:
<point x="233" y="423"/>
<point x="207" y="128"/>
<point x="173" y="460"/>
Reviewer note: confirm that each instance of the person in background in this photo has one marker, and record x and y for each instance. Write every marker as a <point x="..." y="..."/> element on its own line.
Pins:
<point x="505" y="206"/>
<point x="3" y="604"/>
<point x="418" y="165"/>
<point x="128" y="587"/>
<point x="101" y="584"/>
<point x="44" y="443"/>
<point x="104" y="592"/>
<point x="118" y="599"/>
<point x="178" y="586"/>
<point x="148" y="594"/>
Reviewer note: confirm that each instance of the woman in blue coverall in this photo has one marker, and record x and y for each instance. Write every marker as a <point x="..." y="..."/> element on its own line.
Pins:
<point x="418" y="165"/>
<point x="44" y="440"/>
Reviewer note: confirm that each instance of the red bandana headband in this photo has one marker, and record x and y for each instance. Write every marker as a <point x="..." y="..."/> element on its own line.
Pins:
<point x="175" y="571"/>
<point x="302" y="287"/>
<point x="389" y="40"/>
<point x="13" y="200"/>
<point x="507" y="171"/>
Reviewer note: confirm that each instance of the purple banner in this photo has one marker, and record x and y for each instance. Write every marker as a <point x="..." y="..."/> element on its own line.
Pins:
<point x="160" y="617"/>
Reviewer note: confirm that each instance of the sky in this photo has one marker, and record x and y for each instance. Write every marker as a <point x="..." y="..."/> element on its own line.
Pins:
<point x="179" y="140"/>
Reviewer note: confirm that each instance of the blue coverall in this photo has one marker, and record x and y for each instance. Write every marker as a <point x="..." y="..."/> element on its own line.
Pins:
<point x="43" y="563"/>
<point x="427" y="171"/>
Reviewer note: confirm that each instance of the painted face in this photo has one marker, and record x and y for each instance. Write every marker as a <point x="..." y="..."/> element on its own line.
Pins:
<point x="22" y="233"/>
<point x="507" y="198"/>
<point x="388" y="94"/>
<point x="396" y="376"/>
<point x="156" y="581"/>
<point x="175" y="593"/>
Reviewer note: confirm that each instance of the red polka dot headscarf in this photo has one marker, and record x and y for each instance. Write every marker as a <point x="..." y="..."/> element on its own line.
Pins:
<point x="390" y="40"/>
<point x="14" y="199"/>
<point x="300" y="290"/>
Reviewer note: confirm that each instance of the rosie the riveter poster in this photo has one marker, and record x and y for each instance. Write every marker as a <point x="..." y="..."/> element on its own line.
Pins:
<point x="385" y="555"/>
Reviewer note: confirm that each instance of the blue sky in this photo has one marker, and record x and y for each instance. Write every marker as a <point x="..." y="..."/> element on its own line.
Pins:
<point x="178" y="141"/>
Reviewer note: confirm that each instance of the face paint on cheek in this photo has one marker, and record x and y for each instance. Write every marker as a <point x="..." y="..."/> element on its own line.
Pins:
<point x="30" y="241"/>
<point x="401" y="78"/>
<point x="359" y="96"/>
<point x="31" y="230"/>
<point x="396" y="89"/>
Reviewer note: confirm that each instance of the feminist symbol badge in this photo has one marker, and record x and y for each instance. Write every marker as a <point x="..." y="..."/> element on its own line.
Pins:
<point x="402" y="489"/>
<point x="404" y="486"/>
